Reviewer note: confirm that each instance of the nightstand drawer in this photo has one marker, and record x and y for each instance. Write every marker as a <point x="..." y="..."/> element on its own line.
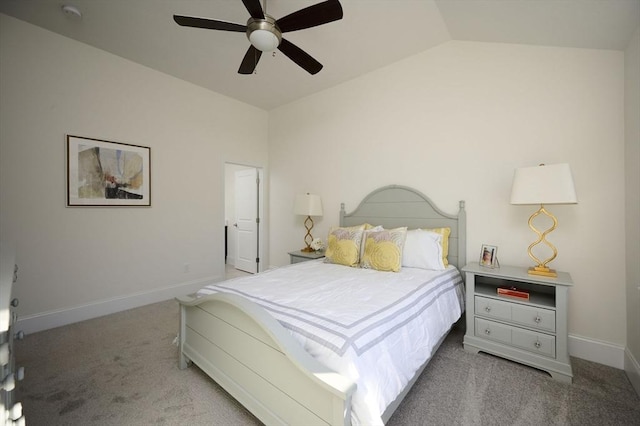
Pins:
<point x="529" y="316"/>
<point x="543" y="319"/>
<point x="493" y="331"/>
<point x="531" y="341"/>
<point x="493" y="308"/>
<point x="539" y="343"/>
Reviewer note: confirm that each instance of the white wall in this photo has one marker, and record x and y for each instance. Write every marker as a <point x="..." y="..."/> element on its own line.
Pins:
<point x="82" y="262"/>
<point x="454" y="122"/>
<point x="632" y="194"/>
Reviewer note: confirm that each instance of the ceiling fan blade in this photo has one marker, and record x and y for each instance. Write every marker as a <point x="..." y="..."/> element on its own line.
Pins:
<point x="300" y="57"/>
<point x="250" y="61"/>
<point x="210" y="24"/>
<point x="254" y="8"/>
<point x="318" y="14"/>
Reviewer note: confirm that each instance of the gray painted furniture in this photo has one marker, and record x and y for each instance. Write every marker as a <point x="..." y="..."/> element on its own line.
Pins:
<point x="532" y="332"/>
<point x="304" y="256"/>
<point x="253" y="357"/>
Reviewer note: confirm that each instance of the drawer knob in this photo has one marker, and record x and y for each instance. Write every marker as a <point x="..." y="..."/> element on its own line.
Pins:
<point x="537" y="344"/>
<point x="15" y="302"/>
<point x="537" y="319"/>
<point x="487" y="331"/>
<point x="487" y="308"/>
<point x="19" y="335"/>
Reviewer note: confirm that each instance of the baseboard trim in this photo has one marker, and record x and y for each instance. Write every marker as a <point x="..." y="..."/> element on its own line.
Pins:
<point x="632" y="368"/>
<point x="598" y="351"/>
<point x="47" y="320"/>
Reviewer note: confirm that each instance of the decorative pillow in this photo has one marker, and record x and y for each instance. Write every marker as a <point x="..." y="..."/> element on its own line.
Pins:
<point x="423" y="249"/>
<point x="383" y="249"/>
<point x="367" y="228"/>
<point x="343" y="245"/>
<point x="445" y="242"/>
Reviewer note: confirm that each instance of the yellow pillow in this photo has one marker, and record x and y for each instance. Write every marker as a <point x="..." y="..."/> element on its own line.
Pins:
<point x="367" y="228"/>
<point x="383" y="249"/>
<point x="343" y="245"/>
<point x="445" y="242"/>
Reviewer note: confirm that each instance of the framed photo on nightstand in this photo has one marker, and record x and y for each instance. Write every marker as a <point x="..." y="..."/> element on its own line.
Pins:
<point x="489" y="256"/>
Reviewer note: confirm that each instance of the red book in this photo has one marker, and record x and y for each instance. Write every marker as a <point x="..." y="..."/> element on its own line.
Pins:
<point x="513" y="292"/>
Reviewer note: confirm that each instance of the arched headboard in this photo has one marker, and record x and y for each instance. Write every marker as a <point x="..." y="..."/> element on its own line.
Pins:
<point x="395" y="206"/>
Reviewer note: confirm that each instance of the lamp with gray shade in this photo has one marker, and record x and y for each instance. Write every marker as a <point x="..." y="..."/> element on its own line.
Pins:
<point x="308" y="205"/>
<point x="543" y="184"/>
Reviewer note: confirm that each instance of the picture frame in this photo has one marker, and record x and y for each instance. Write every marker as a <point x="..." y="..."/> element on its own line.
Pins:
<point x="489" y="256"/>
<point x="106" y="173"/>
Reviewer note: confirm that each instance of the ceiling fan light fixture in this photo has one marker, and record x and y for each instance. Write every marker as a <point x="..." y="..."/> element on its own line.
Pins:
<point x="264" y="34"/>
<point x="264" y="40"/>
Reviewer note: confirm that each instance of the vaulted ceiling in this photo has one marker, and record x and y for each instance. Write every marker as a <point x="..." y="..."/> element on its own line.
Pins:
<point x="372" y="34"/>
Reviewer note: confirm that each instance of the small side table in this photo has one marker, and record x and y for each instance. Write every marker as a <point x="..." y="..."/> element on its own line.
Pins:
<point x="304" y="256"/>
<point x="529" y="331"/>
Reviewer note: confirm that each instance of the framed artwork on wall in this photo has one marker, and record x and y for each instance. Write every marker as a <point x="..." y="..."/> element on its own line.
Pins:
<point x="489" y="256"/>
<point x="104" y="173"/>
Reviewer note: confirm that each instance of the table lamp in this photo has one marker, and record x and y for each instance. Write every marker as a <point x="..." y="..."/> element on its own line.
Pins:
<point x="543" y="184"/>
<point x="308" y="205"/>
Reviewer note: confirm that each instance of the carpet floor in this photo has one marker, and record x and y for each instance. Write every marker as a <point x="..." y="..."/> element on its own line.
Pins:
<point x="121" y="369"/>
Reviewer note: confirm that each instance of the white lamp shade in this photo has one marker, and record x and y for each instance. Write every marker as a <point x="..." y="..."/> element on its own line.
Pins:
<point x="544" y="184"/>
<point x="308" y="205"/>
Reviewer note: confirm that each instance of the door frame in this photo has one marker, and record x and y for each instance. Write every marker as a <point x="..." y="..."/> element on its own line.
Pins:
<point x="262" y="226"/>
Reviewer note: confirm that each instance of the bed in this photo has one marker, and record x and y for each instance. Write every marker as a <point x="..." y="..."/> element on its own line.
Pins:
<point x="253" y="347"/>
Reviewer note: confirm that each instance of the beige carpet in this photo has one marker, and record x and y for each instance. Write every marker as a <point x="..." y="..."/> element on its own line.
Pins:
<point x="122" y="370"/>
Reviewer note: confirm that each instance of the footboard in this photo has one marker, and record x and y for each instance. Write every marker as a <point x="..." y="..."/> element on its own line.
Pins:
<point x="248" y="352"/>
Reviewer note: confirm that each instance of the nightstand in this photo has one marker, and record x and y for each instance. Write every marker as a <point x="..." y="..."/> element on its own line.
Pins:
<point x="529" y="331"/>
<point x="303" y="256"/>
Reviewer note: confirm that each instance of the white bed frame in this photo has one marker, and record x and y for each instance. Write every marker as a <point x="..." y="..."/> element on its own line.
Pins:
<point x="251" y="355"/>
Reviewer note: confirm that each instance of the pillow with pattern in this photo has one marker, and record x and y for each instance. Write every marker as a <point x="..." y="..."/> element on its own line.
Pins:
<point x="343" y="245"/>
<point x="367" y="228"/>
<point x="383" y="249"/>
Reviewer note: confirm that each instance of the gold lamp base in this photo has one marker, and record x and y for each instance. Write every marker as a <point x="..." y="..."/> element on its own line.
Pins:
<point x="542" y="269"/>
<point x="545" y="272"/>
<point x="308" y="239"/>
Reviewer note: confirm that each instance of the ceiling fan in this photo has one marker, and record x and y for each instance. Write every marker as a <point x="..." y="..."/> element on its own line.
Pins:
<point x="265" y="33"/>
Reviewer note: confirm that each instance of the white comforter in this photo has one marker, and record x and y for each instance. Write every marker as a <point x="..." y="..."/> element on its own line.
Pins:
<point x="376" y="328"/>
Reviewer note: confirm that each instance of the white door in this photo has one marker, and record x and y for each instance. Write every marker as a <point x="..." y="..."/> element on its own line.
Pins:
<point x="246" y="203"/>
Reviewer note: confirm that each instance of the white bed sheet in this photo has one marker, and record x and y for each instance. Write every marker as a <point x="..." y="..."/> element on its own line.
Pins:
<point x="376" y="328"/>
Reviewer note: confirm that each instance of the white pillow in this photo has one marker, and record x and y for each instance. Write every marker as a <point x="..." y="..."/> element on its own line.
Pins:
<point x="423" y="249"/>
